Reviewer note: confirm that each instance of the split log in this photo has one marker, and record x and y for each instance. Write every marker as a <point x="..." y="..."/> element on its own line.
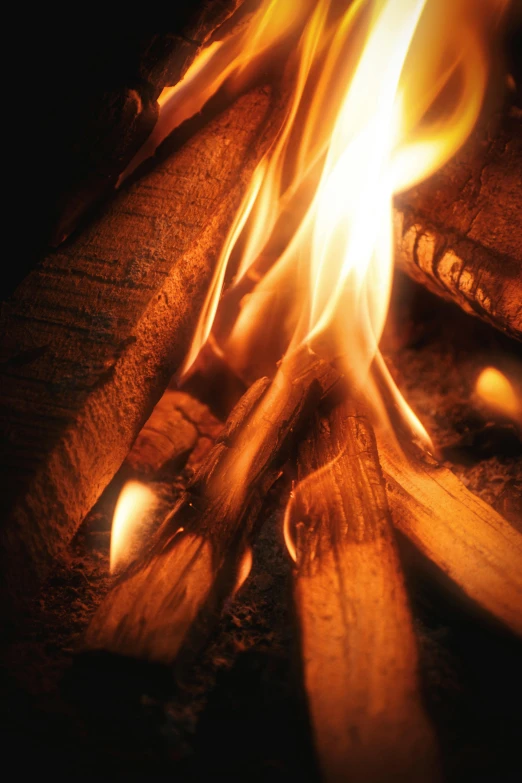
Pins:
<point x="358" y="647"/>
<point x="161" y="609"/>
<point x="460" y="233"/>
<point x="93" y="335"/>
<point x="471" y="544"/>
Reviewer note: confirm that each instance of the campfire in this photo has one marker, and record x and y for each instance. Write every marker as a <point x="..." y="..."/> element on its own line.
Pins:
<point x="274" y="316"/>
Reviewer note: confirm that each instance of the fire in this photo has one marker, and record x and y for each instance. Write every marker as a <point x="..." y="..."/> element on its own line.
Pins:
<point x="244" y="570"/>
<point x="384" y="93"/>
<point x="135" y="502"/>
<point x="498" y="393"/>
<point x="381" y="93"/>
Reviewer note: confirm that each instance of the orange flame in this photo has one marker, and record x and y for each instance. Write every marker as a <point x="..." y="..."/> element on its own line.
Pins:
<point x="498" y="393"/>
<point x="223" y="62"/>
<point x="243" y="573"/>
<point x="383" y="92"/>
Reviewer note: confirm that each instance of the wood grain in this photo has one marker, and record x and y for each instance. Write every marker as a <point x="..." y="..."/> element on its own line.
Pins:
<point x="357" y="643"/>
<point x="468" y="541"/>
<point x="460" y="233"/>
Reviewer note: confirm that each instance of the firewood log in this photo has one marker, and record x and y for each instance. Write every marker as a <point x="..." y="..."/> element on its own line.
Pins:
<point x="471" y="544"/>
<point x="460" y="233"/>
<point x="93" y="335"/>
<point x="359" y="654"/>
<point x="161" y="609"/>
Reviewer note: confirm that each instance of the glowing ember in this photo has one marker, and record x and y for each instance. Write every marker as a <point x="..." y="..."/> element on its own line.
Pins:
<point x="135" y="502"/>
<point x="496" y="391"/>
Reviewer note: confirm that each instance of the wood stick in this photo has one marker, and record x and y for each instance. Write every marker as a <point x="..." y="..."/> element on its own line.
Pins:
<point x="357" y="641"/>
<point x="160" y="610"/>
<point x="467" y="540"/>
<point x="460" y="234"/>
<point x="92" y="337"/>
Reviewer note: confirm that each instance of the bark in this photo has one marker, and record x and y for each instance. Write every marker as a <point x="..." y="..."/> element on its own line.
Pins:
<point x="162" y="608"/>
<point x="93" y="335"/>
<point x="460" y="233"/>
<point x="359" y="653"/>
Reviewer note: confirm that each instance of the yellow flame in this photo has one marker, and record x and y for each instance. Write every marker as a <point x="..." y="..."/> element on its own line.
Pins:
<point x="381" y="94"/>
<point x="136" y="500"/>
<point x="384" y="94"/>
<point x="498" y="393"/>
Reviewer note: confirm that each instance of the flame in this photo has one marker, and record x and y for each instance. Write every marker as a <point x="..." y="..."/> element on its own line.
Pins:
<point x="498" y="393"/>
<point x="381" y="93"/>
<point x="287" y="533"/>
<point x="135" y="502"/>
<point x="384" y="93"/>
<point x="244" y="570"/>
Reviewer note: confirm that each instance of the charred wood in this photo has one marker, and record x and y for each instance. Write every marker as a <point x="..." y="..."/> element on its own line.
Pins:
<point x="92" y="104"/>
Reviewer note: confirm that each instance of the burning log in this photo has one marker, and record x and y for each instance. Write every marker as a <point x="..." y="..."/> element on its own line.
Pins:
<point x="93" y="335"/>
<point x="161" y="608"/>
<point x="357" y="641"/>
<point x="463" y="536"/>
<point x="460" y="234"/>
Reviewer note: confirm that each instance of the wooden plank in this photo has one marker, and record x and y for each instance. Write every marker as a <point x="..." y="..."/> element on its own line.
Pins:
<point x="92" y="336"/>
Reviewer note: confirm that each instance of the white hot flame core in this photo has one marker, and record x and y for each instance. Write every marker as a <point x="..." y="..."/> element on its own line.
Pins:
<point x="384" y="93"/>
<point x="136" y="500"/>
